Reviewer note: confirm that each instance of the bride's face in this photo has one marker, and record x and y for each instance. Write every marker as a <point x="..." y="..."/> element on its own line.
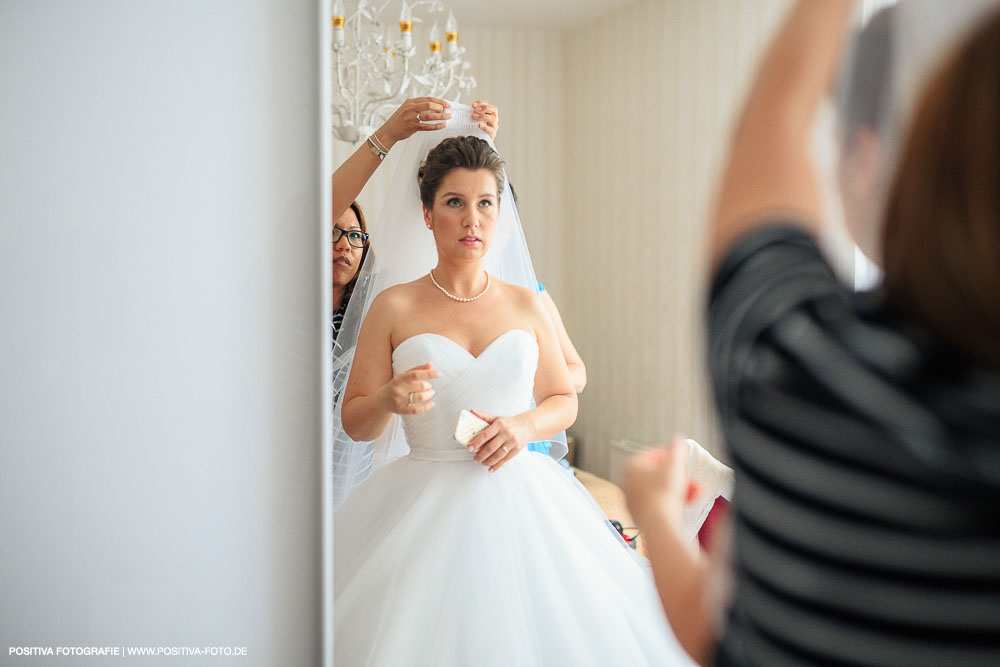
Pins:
<point x="464" y="213"/>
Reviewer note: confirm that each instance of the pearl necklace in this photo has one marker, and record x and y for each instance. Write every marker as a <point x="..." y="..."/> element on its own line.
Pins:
<point x="463" y="299"/>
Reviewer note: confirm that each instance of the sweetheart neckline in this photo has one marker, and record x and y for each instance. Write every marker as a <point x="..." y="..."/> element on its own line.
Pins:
<point x="463" y="349"/>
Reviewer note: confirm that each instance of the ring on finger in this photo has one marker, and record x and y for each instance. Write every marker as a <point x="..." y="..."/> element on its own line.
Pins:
<point x="505" y="449"/>
<point x="418" y="117"/>
<point x="410" y="399"/>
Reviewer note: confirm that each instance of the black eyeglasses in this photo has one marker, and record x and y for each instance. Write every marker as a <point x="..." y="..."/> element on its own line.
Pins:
<point x="355" y="237"/>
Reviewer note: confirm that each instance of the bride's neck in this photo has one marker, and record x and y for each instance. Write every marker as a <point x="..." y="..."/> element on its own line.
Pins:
<point x="461" y="279"/>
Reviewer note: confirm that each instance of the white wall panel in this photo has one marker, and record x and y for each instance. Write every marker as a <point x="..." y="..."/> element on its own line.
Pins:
<point x="160" y="328"/>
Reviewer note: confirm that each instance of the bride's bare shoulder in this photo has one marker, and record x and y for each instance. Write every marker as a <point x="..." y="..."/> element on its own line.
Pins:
<point x="513" y="291"/>
<point x="524" y="298"/>
<point x="397" y="297"/>
<point x="401" y="291"/>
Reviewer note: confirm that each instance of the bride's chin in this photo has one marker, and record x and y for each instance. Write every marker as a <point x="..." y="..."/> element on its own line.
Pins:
<point x="465" y="254"/>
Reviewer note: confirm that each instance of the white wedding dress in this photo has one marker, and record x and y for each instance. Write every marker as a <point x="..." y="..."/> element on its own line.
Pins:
<point x="438" y="562"/>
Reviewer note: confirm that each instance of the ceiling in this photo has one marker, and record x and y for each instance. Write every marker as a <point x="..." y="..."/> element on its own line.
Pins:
<point x="534" y="14"/>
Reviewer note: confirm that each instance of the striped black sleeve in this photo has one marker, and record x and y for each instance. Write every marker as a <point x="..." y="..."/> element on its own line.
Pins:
<point x="865" y="532"/>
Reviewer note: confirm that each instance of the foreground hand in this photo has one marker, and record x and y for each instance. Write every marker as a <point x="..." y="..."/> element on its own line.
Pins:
<point x="409" y="392"/>
<point x="488" y="116"/>
<point x="657" y="486"/>
<point x="499" y="442"/>
<point x="403" y="122"/>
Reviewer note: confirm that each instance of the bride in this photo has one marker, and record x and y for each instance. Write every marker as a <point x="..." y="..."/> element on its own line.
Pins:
<point x="479" y="554"/>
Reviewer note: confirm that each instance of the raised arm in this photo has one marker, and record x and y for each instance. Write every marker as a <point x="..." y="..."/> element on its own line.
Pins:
<point x="770" y="170"/>
<point x="350" y="178"/>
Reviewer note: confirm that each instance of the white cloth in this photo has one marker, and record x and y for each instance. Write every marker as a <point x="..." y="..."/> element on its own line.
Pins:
<point x="714" y="479"/>
<point x="439" y="562"/>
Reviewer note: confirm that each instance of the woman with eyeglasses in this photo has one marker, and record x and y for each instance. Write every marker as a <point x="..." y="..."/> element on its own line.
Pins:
<point x="350" y="246"/>
<point x="350" y="232"/>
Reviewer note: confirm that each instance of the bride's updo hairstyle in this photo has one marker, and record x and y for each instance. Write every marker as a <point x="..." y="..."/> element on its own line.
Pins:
<point x="470" y="153"/>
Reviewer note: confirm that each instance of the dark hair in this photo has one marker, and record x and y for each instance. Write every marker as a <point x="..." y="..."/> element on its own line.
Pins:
<point x="470" y="153"/>
<point x="349" y="288"/>
<point x="864" y="93"/>
<point x="942" y="231"/>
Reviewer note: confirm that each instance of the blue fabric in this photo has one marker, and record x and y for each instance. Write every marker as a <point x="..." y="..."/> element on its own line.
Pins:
<point x="543" y="447"/>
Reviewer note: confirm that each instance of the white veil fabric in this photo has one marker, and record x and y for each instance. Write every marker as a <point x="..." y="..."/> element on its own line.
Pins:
<point x="403" y="250"/>
<point x="892" y="53"/>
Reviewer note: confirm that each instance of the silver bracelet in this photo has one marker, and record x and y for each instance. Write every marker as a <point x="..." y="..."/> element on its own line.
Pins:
<point x="378" y="142"/>
<point x="378" y="152"/>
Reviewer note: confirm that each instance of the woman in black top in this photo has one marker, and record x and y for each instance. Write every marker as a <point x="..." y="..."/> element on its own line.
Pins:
<point x="864" y="429"/>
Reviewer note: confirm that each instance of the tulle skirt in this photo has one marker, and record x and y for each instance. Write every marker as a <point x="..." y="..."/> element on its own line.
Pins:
<point x="443" y="563"/>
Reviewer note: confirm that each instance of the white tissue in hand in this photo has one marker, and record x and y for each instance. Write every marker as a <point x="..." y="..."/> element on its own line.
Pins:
<point x="713" y="478"/>
<point x="468" y="426"/>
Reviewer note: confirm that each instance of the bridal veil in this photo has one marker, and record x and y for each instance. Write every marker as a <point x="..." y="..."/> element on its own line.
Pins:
<point x="403" y="250"/>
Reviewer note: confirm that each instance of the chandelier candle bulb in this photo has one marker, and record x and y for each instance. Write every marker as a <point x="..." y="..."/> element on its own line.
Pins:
<point x="435" y="43"/>
<point x="451" y="34"/>
<point x="338" y="23"/>
<point x="406" y="27"/>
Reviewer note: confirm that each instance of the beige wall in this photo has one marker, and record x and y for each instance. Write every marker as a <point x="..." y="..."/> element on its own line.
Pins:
<point x="613" y="133"/>
<point x="643" y="154"/>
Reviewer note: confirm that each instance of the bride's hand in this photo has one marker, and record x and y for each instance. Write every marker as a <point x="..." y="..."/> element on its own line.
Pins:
<point x="499" y="442"/>
<point x="409" y="393"/>
<point x="403" y="122"/>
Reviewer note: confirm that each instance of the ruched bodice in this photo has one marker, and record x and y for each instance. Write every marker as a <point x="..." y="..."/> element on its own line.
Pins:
<point x="499" y="381"/>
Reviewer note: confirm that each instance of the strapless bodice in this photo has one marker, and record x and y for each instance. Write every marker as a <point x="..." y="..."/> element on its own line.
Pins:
<point x="499" y="382"/>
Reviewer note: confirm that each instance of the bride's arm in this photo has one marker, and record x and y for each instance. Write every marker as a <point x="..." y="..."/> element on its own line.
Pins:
<point x="555" y="394"/>
<point x="373" y="394"/>
<point x="555" y="398"/>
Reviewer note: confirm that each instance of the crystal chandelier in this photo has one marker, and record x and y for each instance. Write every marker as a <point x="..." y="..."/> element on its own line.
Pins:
<point x="372" y="74"/>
